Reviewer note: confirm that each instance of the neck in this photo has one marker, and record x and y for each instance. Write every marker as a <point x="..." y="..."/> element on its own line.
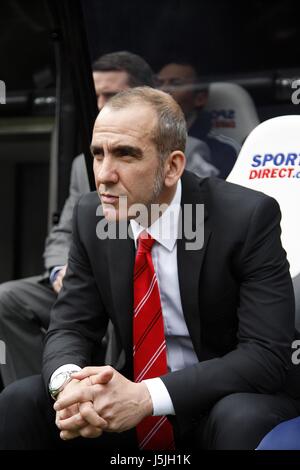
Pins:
<point x="157" y="207"/>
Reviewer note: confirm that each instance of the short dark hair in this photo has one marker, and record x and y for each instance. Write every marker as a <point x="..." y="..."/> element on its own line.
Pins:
<point x="139" y="72"/>
<point x="201" y="84"/>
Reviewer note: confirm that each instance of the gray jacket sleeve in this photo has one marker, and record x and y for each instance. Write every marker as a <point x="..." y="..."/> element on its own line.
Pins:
<point x="59" y="239"/>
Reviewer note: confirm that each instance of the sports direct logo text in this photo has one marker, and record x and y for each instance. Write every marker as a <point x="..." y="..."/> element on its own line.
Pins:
<point x="279" y="165"/>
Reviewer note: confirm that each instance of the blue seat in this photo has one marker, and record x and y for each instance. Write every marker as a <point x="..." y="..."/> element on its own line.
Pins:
<point x="285" y="436"/>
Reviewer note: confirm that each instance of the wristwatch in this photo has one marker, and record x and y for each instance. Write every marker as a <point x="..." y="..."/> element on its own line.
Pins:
<point x="59" y="381"/>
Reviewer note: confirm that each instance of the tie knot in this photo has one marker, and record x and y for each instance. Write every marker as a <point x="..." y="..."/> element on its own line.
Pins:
<point x="145" y="242"/>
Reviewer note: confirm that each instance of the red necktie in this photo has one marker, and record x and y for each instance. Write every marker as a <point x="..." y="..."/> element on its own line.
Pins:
<point x="149" y="350"/>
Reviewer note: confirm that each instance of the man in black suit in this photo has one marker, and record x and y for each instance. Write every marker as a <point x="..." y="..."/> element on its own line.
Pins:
<point x="226" y="299"/>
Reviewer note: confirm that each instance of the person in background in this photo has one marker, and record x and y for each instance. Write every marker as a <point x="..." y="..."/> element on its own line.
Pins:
<point x="181" y="80"/>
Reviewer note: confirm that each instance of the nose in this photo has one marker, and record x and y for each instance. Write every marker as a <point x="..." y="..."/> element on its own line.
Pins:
<point x="105" y="171"/>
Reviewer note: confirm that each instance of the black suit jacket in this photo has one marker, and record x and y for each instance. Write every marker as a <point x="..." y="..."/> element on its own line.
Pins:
<point x="236" y="294"/>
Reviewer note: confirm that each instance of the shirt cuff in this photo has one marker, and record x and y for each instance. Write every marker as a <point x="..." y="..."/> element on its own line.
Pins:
<point x="54" y="272"/>
<point x="161" y="400"/>
<point x="65" y="368"/>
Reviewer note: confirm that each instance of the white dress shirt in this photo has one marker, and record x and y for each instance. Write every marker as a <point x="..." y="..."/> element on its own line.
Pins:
<point x="180" y="351"/>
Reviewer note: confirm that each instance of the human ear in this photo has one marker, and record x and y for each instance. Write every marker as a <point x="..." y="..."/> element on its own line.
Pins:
<point x="174" y="167"/>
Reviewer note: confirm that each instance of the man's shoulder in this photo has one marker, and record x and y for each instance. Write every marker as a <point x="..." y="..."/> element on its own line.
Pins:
<point x="231" y="191"/>
<point x="226" y="196"/>
<point x="87" y="214"/>
<point x="222" y="147"/>
<point x="89" y="199"/>
<point x="88" y="202"/>
<point x="224" y="141"/>
<point x="79" y="160"/>
<point x="237" y="202"/>
<point x="78" y="163"/>
<point x="218" y="186"/>
<point x="202" y="129"/>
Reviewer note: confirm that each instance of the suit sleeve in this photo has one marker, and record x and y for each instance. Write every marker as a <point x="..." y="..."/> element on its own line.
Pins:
<point x="78" y="318"/>
<point x="265" y="329"/>
<point x="58" y="242"/>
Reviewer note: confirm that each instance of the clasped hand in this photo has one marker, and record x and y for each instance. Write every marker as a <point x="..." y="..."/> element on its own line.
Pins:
<point x="100" y="399"/>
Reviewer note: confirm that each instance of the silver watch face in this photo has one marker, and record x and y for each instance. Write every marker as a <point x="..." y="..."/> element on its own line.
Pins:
<point x="58" y="381"/>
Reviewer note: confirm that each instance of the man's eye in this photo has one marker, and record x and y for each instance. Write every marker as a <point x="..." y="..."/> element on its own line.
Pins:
<point x="123" y="153"/>
<point x="98" y="156"/>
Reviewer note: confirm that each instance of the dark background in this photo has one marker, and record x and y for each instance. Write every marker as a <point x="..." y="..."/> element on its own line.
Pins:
<point x="221" y="37"/>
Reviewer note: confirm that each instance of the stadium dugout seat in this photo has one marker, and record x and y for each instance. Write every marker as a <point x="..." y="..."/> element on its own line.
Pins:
<point x="269" y="161"/>
<point x="233" y="112"/>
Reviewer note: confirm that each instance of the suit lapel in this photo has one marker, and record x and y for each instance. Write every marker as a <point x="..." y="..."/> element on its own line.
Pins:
<point x="121" y="255"/>
<point x="190" y="261"/>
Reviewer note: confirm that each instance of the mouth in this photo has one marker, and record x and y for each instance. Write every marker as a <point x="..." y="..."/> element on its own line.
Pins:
<point x="107" y="198"/>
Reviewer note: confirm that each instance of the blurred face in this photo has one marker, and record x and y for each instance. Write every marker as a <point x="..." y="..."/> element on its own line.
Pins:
<point x="108" y="84"/>
<point x="126" y="164"/>
<point x="180" y="80"/>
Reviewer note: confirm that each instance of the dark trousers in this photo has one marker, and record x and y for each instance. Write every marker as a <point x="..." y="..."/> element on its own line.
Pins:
<point x="238" y="421"/>
<point x="25" y="307"/>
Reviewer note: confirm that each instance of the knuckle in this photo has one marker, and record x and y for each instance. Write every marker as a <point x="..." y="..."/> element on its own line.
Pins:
<point x="63" y="414"/>
<point x="85" y="412"/>
<point x="65" y="435"/>
<point x="112" y="427"/>
<point x="79" y="421"/>
<point x="89" y="432"/>
<point x="97" y="388"/>
<point x="108" y="417"/>
<point x="81" y="393"/>
<point x="104" y="422"/>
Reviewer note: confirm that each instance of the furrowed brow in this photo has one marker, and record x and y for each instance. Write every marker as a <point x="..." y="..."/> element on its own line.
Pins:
<point x="96" y="150"/>
<point x="127" y="150"/>
<point x="118" y="150"/>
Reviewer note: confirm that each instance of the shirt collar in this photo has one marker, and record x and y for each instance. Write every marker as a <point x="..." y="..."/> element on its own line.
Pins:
<point x="165" y="229"/>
